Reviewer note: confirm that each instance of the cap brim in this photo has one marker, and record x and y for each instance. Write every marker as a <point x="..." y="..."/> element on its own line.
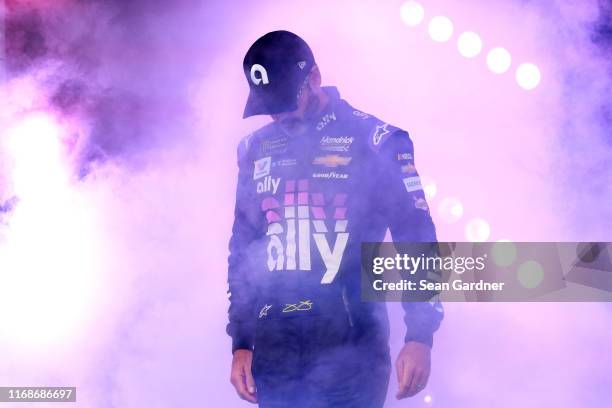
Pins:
<point x="254" y="106"/>
<point x="259" y="105"/>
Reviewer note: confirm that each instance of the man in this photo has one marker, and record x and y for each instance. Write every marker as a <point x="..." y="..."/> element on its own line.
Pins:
<point x="313" y="185"/>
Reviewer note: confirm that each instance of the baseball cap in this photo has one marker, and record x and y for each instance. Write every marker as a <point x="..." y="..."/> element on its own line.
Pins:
<point x="275" y="67"/>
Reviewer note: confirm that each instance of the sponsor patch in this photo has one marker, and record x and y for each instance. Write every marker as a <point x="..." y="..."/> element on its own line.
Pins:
<point x="332" y="160"/>
<point x="409" y="168"/>
<point x="360" y="114"/>
<point x="380" y="131"/>
<point x="268" y="185"/>
<point x="284" y="162"/>
<point x="274" y="146"/>
<point x="298" y="218"/>
<point x="331" y="175"/>
<point x="420" y="203"/>
<point x="336" y="143"/>
<point x="325" y="120"/>
<point x="262" y="167"/>
<point x="404" y="156"/>
<point x="412" y="184"/>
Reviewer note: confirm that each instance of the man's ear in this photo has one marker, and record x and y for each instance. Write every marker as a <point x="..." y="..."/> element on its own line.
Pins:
<point x="315" y="78"/>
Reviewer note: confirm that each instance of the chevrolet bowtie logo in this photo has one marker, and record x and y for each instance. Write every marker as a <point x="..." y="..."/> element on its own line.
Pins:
<point x="303" y="306"/>
<point x="332" y="160"/>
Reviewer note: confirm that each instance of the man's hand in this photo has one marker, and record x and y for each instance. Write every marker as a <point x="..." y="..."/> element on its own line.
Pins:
<point x="413" y="365"/>
<point x="241" y="377"/>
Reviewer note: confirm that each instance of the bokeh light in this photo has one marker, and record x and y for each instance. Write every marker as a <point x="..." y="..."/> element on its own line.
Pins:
<point x="35" y="147"/>
<point x="477" y="230"/>
<point x="528" y="76"/>
<point x="46" y="284"/>
<point x="504" y="253"/>
<point x="428" y="399"/>
<point x="440" y="28"/>
<point x="499" y="60"/>
<point x="450" y="209"/>
<point x="530" y="274"/>
<point x="412" y="13"/>
<point x="429" y="188"/>
<point x="469" y="44"/>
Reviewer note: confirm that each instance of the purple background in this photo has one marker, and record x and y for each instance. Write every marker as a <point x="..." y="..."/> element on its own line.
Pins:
<point x="112" y="274"/>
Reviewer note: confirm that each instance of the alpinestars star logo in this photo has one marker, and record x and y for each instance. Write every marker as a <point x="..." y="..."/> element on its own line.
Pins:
<point x="380" y="131"/>
<point x="264" y="311"/>
<point x="302" y="217"/>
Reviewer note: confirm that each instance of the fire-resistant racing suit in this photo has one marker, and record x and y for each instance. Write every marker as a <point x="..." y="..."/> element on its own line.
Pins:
<point x="303" y="206"/>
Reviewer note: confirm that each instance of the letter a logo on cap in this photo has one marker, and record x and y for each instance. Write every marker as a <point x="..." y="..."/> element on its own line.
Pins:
<point x="263" y="74"/>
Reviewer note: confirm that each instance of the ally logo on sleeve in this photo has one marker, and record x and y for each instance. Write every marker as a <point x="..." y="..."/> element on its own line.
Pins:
<point x="262" y="167"/>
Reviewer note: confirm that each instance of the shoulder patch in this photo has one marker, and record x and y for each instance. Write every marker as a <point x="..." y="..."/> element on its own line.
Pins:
<point x="360" y="114"/>
<point x="243" y="146"/>
<point x="246" y="143"/>
<point x="379" y="133"/>
<point x="367" y="125"/>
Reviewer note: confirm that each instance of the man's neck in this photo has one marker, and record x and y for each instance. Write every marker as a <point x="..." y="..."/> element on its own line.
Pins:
<point x="323" y="101"/>
<point x="315" y="108"/>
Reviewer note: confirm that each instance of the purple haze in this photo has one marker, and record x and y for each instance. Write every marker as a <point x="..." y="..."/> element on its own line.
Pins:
<point x="154" y="92"/>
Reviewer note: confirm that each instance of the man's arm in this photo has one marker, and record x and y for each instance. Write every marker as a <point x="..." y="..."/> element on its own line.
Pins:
<point x="409" y="220"/>
<point x="241" y="291"/>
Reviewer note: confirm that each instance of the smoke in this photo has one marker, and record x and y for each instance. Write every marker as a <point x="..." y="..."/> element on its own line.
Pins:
<point x="584" y="151"/>
<point x="130" y="95"/>
<point x="149" y="96"/>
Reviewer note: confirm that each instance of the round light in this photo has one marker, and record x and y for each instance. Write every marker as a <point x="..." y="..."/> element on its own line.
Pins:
<point x="469" y="44"/>
<point x="477" y="230"/>
<point x="412" y="13"/>
<point x="44" y="298"/>
<point x="440" y="28"/>
<point x="530" y="274"/>
<point x="428" y="399"/>
<point x="528" y="76"/>
<point x="503" y="253"/>
<point x="450" y="209"/>
<point x="499" y="60"/>
<point x="429" y="187"/>
<point x="36" y="149"/>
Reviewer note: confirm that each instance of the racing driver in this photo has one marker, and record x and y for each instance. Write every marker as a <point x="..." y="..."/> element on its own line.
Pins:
<point x="313" y="184"/>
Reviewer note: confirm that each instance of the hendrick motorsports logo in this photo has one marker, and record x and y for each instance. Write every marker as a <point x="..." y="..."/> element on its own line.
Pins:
<point x="336" y="143"/>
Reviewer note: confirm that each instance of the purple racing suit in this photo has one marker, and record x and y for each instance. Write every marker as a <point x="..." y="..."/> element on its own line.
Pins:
<point x="304" y="204"/>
